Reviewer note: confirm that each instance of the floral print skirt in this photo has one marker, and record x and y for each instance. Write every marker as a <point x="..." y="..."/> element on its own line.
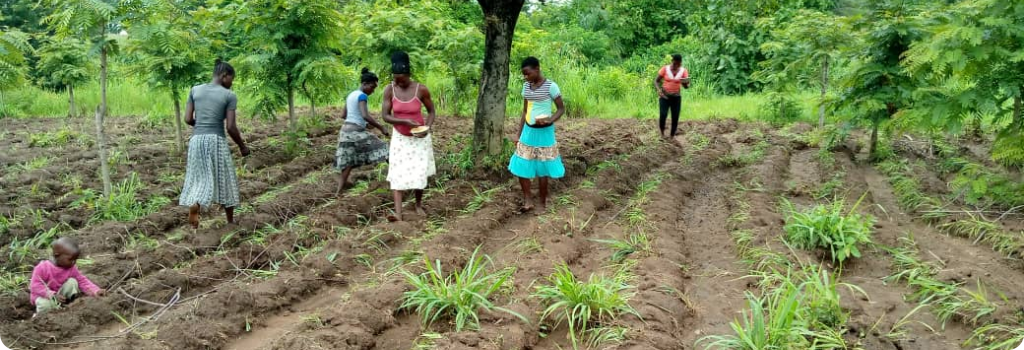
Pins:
<point x="411" y="162"/>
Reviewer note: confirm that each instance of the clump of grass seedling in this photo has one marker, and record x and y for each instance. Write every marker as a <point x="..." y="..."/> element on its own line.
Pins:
<point x="121" y="204"/>
<point x="36" y="163"/>
<point x="529" y="246"/>
<point x="576" y="224"/>
<point x="57" y="138"/>
<point x="831" y="188"/>
<point x="583" y="306"/>
<point x="427" y="341"/>
<point x="767" y="323"/>
<point x="458" y="296"/>
<point x="995" y="337"/>
<point x="479" y="199"/>
<point x="637" y="241"/>
<point x="981" y="230"/>
<point x="947" y="300"/>
<point x="30" y="248"/>
<point x="830" y="227"/>
<point x="13" y="283"/>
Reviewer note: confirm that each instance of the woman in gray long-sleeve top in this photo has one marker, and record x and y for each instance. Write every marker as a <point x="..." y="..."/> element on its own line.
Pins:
<point x="210" y="172"/>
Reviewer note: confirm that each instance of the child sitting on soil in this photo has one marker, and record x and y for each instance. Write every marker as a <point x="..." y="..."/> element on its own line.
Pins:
<point x="57" y="282"/>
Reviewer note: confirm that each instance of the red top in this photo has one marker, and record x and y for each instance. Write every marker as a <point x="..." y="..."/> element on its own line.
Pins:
<point x="410" y="110"/>
<point x="671" y="81"/>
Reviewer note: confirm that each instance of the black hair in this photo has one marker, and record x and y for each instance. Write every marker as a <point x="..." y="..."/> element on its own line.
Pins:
<point x="366" y="76"/>
<point x="67" y="242"/>
<point x="223" y="68"/>
<point x="400" y="63"/>
<point x="677" y="57"/>
<point x="531" y="62"/>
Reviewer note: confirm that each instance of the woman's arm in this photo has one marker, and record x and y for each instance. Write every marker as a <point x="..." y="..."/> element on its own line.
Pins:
<point x="522" y="120"/>
<point x="190" y="110"/>
<point x="558" y="113"/>
<point x="429" y="104"/>
<point x="234" y="133"/>
<point x="657" y="86"/>
<point x="369" y="120"/>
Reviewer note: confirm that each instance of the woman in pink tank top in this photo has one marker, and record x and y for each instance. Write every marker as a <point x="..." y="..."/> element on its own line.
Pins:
<point x="411" y="156"/>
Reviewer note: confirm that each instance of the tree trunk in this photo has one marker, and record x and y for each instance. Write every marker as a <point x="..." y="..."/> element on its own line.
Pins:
<point x="177" y="120"/>
<point x="101" y="145"/>
<point x="500" y="18"/>
<point x="100" y="113"/>
<point x="3" y="105"/>
<point x="71" y="101"/>
<point x="291" y="107"/>
<point x="874" y="140"/>
<point x="824" y="90"/>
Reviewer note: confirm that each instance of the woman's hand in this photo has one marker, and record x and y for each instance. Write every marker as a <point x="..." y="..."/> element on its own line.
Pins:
<point x="543" y="122"/>
<point x="661" y="93"/>
<point x="411" y="122"/>
<point x="244" y="150"/>
<point x="384" y="131"/>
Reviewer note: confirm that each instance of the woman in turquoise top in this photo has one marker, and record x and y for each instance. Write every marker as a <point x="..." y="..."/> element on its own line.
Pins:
<point x="536" y="155"/>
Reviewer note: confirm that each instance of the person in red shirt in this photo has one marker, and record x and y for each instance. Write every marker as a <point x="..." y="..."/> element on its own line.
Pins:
<point x="670" y="81"/>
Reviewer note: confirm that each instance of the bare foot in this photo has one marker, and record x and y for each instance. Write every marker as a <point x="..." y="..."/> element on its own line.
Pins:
<point x="394" y="218"/>
<point x="420" y="210"/>
<point x="193" y="216"/>
<point x="541" y="209"/>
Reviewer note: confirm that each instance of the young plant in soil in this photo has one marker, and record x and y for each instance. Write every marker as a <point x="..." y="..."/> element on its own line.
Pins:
<point x="637" y="241"/>
<point x="584" y="306"/>
<point x="458" y="296"/>
<point x="947" y="300"/>
<point x="830" y="227"/>
<point x="121" y="204"/>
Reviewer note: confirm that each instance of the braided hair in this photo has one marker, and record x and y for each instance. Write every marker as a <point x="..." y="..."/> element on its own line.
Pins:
<point x="366" y="76"/>
<point x="222" y="68"/>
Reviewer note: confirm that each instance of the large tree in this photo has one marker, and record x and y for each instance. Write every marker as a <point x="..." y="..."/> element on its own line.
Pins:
<point x="63" y="64"/>
<point x="877" y="87"/>
<point x="285" y="45"/>
<point x="500" y="17"/>
<point x="808" y="42"/>
<point x="167" y="49"/>
<point x="971" y="64"/>
<point x="94" y="20"/>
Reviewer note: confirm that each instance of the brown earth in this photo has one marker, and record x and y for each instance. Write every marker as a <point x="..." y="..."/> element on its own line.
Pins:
<point x="306" y="270"/>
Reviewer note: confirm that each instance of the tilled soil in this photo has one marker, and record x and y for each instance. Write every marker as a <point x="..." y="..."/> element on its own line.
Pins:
<point x="307" y="270"/>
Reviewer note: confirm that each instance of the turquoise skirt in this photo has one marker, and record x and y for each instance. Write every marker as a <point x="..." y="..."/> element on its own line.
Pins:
<point x="537" y="155"/>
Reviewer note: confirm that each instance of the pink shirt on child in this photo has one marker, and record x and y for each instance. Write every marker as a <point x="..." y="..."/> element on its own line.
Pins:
<point x="47" y="279"/>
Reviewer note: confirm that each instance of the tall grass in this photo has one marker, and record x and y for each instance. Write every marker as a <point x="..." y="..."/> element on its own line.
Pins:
<point x="589" y="92"/>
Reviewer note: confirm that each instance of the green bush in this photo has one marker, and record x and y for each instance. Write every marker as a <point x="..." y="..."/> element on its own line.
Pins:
<point x="829" y="227"/>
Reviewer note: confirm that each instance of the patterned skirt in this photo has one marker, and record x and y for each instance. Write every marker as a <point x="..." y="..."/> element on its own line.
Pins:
<point x="537" y="155"/>
<point x="357" y="147"/>
<point x="411" y="162"/>
<point x="209" y="173"/>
